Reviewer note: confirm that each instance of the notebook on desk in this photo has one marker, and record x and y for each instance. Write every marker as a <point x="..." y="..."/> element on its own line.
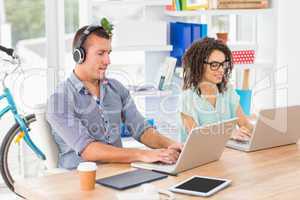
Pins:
<point x="274" y="127"/>
<point x="203" y="145"/>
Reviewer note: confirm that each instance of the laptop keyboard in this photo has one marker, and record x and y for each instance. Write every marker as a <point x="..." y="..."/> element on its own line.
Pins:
<point x="238" y="144"/>
<point x="160" y="165"/>
<point x="239" y="141"/>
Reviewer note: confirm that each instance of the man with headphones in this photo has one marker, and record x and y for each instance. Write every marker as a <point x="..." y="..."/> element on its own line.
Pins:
<point x="86" y="111"/>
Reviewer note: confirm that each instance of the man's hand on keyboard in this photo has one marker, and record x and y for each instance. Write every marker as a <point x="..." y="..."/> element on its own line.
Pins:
<point x="168" y="156"/>
<point x="176" y="146"/>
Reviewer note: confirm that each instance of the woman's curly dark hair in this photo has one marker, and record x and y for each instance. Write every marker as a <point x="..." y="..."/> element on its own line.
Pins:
<point x="194" y="60"/>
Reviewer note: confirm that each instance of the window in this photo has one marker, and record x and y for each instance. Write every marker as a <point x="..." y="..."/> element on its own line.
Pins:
<point x="23" y="28"/>
<point x="27" y="32"/>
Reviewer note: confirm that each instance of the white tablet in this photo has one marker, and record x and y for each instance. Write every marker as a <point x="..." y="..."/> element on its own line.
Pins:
<point x="200" y="185"/>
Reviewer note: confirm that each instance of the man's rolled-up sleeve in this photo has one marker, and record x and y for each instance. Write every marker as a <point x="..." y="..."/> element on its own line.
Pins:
<point x="61" y="116"/>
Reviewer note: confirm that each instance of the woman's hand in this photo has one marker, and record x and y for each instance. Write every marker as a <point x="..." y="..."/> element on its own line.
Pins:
<point x="241" y="134"/>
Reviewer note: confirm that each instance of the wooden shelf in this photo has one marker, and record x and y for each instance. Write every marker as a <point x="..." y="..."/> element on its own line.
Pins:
<point x="218" y="12"/>
<point x="233" y="47"/>
<point x="143" y="48"/>
<point x="257" y="65"/>
<point x="242" y="46"/>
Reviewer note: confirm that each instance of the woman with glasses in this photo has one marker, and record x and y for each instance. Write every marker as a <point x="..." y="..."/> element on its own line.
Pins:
<point x="207" y="95"/>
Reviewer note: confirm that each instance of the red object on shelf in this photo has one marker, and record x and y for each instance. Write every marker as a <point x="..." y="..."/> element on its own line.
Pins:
<point x="170" y="7"/>
<point x="243" y="57"/>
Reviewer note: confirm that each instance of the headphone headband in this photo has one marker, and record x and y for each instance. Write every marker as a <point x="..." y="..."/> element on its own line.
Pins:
<point x="85" y="34"/>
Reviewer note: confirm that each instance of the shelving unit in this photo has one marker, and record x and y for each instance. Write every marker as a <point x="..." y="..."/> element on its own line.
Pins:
<point x="218" y="12"/>
<point x="261" y="29"/>
<point x="262" y="25"/>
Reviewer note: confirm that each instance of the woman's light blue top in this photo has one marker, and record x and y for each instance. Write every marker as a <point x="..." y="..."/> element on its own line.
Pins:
<point x="203" y="112"/>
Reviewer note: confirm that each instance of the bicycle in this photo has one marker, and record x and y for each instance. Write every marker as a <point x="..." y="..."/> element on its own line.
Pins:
<point x="19" y="131"/>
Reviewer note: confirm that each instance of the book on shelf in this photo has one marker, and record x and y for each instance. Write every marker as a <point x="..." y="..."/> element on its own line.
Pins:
<point x="188" y="5"/>
<point x="178" y="5"/>
<point x="180" y="38"/>
<point x="182" y="35"/>
<point x="240" y="4"/>
<point x="171" y="7"/>
<point x="194" y="4"/>
<point x="240" y="1"/>
<point x="198" y="31"/>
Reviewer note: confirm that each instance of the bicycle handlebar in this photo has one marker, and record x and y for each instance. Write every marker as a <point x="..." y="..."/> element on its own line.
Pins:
<point x="15" y="61"/>
<point x="8" y="51"/>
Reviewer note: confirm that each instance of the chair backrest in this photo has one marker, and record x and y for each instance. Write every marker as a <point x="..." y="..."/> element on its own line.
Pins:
<point x="42" y="137"/>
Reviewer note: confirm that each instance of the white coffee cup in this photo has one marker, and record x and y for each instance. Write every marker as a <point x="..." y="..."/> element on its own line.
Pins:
<point x="87" y="173"/>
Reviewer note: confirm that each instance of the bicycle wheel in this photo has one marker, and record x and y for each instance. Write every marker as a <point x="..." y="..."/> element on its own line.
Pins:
<point x="15" y="157"/>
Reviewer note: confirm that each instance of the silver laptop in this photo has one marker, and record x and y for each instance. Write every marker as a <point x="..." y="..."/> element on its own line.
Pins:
<point x="274" y="127"/>
<point x="203" y="145"/>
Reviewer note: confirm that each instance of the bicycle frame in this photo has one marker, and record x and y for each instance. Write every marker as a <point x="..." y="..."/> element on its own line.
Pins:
<point x="19" y="120"/>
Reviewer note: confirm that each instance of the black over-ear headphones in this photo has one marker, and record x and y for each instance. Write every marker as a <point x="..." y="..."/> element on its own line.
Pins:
<point x="79" y="52"/>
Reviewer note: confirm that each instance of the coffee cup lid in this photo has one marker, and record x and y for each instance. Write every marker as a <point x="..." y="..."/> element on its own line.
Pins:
<point x="87" y="166"/>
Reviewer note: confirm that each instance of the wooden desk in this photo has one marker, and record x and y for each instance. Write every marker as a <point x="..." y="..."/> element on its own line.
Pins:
<point x="268" y="174"/>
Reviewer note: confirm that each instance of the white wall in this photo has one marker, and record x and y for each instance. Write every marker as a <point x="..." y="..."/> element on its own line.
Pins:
<point x="289" y="46"/>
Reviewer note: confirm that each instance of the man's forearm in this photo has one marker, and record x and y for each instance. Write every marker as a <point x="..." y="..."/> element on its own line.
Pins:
<point x="97" y="151"/>
<point x="153" y="139"/>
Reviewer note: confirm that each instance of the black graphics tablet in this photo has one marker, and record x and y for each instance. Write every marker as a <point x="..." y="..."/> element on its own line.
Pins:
<point x="130" y="179"/>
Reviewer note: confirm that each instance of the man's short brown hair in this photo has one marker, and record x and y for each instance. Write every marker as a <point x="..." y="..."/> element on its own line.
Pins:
<point x="98" y="31"/>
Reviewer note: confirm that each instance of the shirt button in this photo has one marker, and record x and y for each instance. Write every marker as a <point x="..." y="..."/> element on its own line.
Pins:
<point x="94" y="129"/>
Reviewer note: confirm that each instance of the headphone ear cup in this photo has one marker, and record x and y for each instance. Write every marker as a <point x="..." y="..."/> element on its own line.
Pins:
<point x="79" y="55"/>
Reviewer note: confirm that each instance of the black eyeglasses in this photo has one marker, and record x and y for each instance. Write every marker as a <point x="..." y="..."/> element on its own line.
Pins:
<point x="215" y="65"/>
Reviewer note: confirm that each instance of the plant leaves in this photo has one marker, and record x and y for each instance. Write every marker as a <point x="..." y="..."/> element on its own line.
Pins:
<point x="107" y="26"/>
